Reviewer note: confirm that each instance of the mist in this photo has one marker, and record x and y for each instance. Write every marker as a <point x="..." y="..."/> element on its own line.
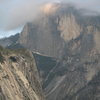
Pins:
<point x="16" y="13"/>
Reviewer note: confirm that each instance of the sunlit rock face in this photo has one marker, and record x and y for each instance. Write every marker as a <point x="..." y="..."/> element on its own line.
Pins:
<point x="69" y="28"/>
<point x="97" y="39"/>
<point x="19" y="79"/>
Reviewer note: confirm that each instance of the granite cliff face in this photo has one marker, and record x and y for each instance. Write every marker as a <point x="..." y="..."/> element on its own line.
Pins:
<point x="76" y="75"/>
<point x="19" y="79"/>
<point x="49" y="33"/>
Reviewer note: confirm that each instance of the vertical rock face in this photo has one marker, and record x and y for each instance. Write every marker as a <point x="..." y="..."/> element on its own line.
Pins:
<point x="97" y="39"/>
<point x="42" y="37"/>
<point x="69" y="28"/>
<point x="19" y="78"/>
<point x="49" y="33"/>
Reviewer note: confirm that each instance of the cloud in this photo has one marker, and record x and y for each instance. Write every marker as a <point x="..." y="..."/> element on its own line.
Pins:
<point x="89" y="4"/>
<point x="18" y="12"/>
<point x="15" y="13"/>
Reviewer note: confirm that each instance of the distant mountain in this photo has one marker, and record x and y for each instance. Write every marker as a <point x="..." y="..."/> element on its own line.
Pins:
<point x="52" y="30"/>
<point x="6" y="42"/>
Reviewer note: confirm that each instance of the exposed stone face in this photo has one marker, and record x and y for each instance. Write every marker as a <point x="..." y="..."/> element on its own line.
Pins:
<point x="19" y="79"/>
<point x="69" y="28"/>
<point x="49" y="34"/>
<point x="97" y="39"/>
<point x="25" y="35"/>
<point x="43" y="37"/>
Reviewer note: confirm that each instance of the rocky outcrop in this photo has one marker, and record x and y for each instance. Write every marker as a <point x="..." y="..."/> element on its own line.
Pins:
<point x="19" y="79"/>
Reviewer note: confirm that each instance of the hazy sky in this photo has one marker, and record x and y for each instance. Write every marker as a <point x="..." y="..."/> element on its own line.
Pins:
<point x="15" y="13"/>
